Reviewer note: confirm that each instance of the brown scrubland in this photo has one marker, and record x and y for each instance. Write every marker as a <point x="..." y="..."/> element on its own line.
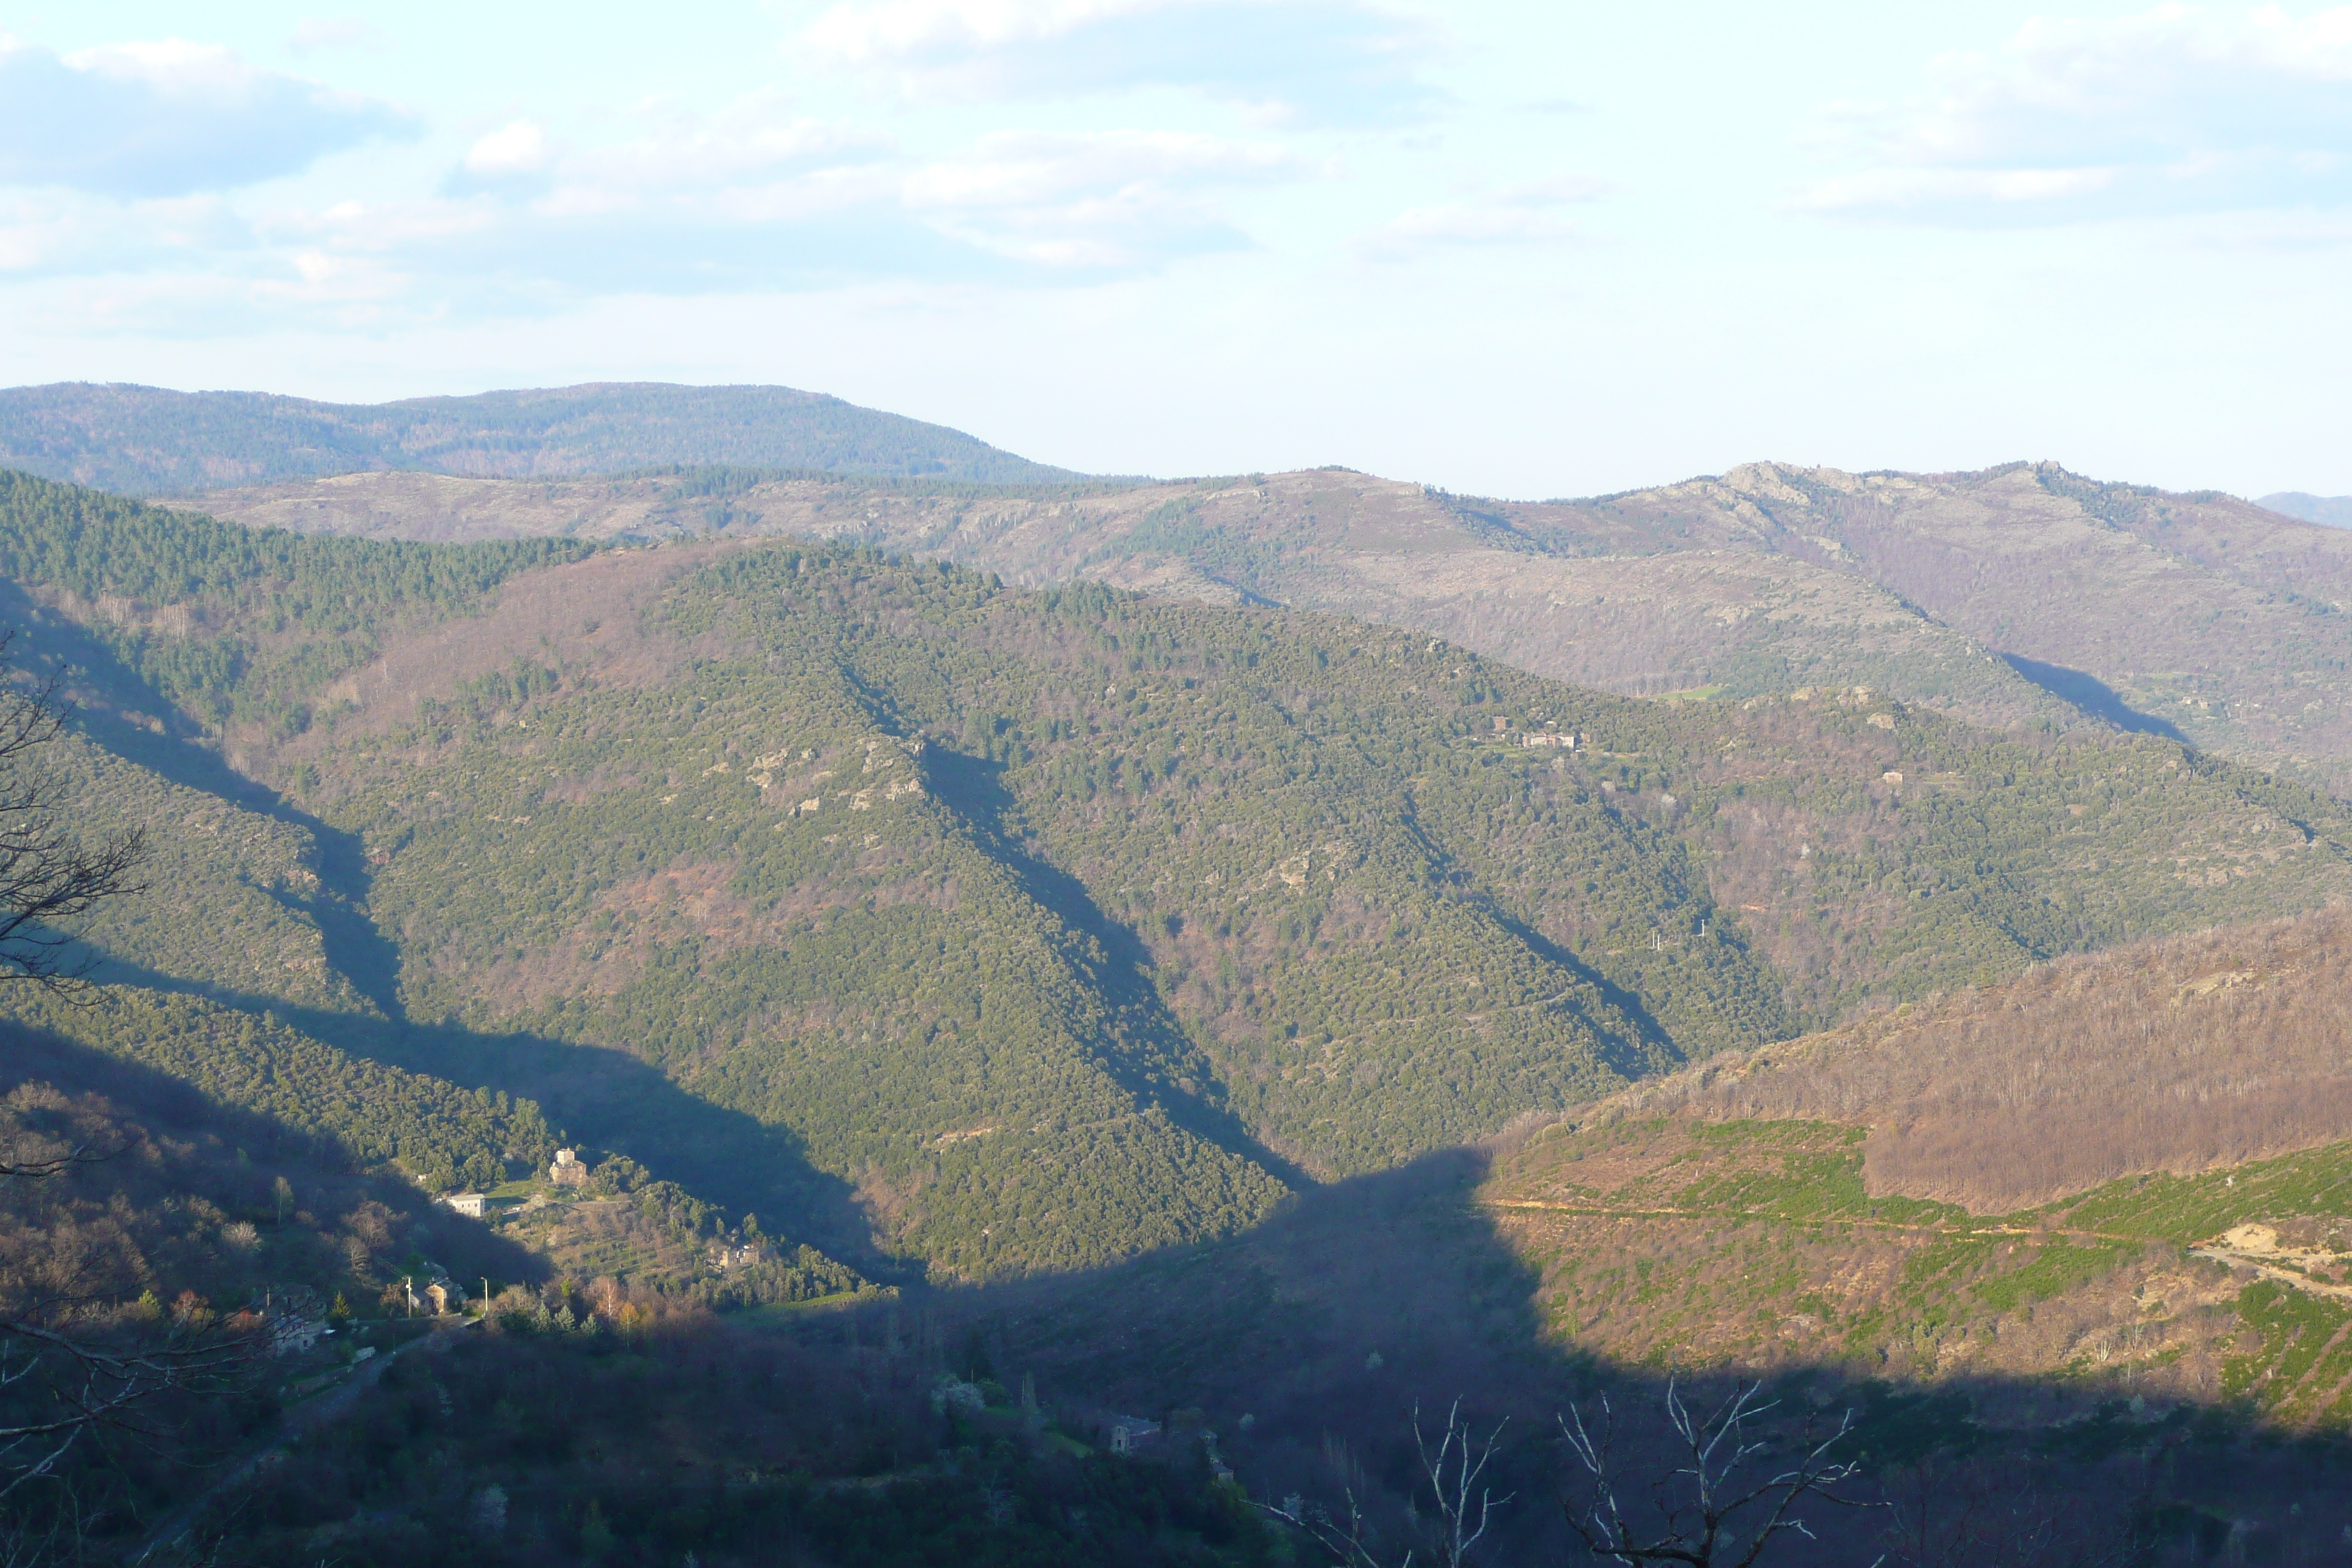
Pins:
<point x="2177" y="1055"/>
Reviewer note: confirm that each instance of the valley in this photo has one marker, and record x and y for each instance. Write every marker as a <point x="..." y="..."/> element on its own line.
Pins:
<point x="1247" y="957"/>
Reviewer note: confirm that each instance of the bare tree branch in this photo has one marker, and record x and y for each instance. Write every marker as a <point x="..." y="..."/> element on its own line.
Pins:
<point x="49" y="878"/>
<point x="41" y="1170"/>
<point x="1452" y="1470"/>
<point x="1350" y="1540"/>
<point x="76" y="1386"/>
<point x="1715" y="1511"/>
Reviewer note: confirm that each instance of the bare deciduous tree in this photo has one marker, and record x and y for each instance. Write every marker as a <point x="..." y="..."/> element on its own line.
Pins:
<point x="49" y="877"/>
<point x="79" y="1384"/>
<point x="56" y="1385"/>
<point x="1349" y="1538"/>
<point x="1452" y="1471"/>
<point x="1719" y="1508"/>
<point x="57" y="1381"/>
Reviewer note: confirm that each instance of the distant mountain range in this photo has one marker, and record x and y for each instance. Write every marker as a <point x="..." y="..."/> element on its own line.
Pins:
<point x="1289" y="949"/>
<point x="2335" y="512"/>
<point x="2019" y="594"/>
<point x="146" y="440"/>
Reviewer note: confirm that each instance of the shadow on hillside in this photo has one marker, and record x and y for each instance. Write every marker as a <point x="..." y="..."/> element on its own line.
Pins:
<point x="612" y="1101"/>
<point x="356" y="950"/>
<point x="607" y="1099"/>
<point x="1651" y="1049"/>
<point x="1307" y="1344"/>
<point x="974" y="787"/>
<point x="176" y="1108"/>
<point x="2093" y="696"/>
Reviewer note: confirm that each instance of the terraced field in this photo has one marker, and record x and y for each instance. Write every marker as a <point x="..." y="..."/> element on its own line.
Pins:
<point x="1676" y="1242"/>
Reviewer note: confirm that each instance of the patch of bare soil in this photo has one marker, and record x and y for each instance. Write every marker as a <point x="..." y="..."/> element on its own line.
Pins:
<point x="2321" y="1271"/>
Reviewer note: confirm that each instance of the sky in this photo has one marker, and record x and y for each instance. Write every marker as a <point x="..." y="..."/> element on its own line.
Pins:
<point x="1515" y="250"/>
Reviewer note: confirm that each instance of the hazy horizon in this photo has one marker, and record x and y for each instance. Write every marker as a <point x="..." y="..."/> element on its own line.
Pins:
<point x="1503" y="248"/>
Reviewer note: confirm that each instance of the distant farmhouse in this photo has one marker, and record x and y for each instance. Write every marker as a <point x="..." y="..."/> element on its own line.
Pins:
<point x="1130" y="1432"/>
<point x="290" y="1333"/>
<point x="470" y="1205"/>
<point x="568" y="1171"/>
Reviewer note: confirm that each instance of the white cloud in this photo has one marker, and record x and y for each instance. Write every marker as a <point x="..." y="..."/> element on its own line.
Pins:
<point x="167" y="119"/>
<point x="755" y="193"/>
<point x="698" y="204"/>
<point x="55" y="232"/>
<point x="752" y="196"/>
<point x="2178" y="109"/>
<point x="1024" y="168"/>
<point x="891" y="31"/>
<point x="1322" y="60"/>
<point x="314" y="33"/>
<point x="749" y="150"/>
<point x="754" y="140"/>
<point x="1114" y="199"/>
<point x="1532" y="214"/>
<point x="519" y="148"/>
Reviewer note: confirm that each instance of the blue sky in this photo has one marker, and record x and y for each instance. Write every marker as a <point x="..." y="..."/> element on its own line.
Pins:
<point x="1508" y="248"/>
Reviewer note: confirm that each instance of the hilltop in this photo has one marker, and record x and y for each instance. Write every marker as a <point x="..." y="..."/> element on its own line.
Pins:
<point x="1327" y="539"/>
<point x="2018" y="594"/>
<point x="2021" y="594"/>
<point x="2335" y="512"/>
<point x="146" y="440"/>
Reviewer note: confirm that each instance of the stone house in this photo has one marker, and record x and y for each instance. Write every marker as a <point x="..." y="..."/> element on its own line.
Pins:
<point x="1129" y="1433"/>
<point x="290" y="1334"/>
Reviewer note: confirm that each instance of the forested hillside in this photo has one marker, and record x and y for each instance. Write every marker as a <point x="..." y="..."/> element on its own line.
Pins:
<point x="147" y="440"/>
<point x="221" y="625"/>
<point x="1709" y="621"/>
<point x="1008" y="929"/>
<point x="2020" y="593"/>
<point x="1262" y="1019"/>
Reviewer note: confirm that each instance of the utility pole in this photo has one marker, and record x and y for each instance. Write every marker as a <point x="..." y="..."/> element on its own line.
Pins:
<point x="486" y="1298"/>
<point x="408" y="1283"/>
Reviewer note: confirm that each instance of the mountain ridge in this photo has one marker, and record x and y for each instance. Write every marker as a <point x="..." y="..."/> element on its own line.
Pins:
<point x="1007" y="928"/>
<point x="2335" y="512"/>
<point x="1230" y="1010"/>
<point x="144" y="440"/>
<point x="2020" y="593"/>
